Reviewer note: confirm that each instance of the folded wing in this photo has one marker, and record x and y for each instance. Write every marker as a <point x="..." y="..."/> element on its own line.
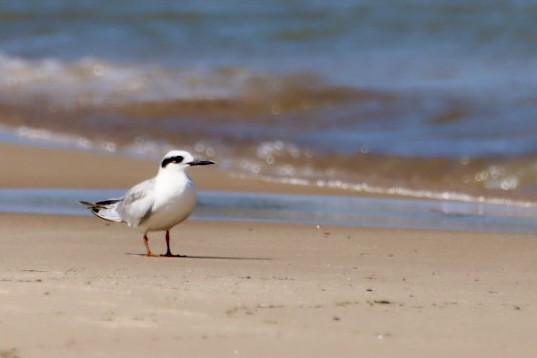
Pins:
<point x="137" y="203"/>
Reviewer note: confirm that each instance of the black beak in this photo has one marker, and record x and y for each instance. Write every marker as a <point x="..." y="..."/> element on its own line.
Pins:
<point x="201" y="162"/>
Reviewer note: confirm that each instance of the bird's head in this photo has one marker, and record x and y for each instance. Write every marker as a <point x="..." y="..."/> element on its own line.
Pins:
<point x="180" y="160"/>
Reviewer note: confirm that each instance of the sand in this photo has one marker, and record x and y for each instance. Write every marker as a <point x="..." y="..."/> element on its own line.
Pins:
<point x="33" y="166"/>
<point x="78" y="286"/>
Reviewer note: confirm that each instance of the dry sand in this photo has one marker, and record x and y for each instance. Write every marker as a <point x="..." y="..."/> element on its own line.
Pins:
<point x="77" y="286"/>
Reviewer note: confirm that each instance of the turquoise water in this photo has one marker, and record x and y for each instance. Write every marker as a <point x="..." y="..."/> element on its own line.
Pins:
<point x="304" y="209"/>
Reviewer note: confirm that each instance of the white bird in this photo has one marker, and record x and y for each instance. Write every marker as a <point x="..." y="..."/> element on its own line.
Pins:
<point x="156" y="204"/>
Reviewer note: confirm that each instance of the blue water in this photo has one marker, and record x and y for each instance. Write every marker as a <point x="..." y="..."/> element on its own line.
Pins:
<point x="418" y="95"/>
<point x="304" y="209"/>
<point x="369" y="43"/>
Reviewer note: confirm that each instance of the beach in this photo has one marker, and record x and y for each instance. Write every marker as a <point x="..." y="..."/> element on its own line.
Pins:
<point x="80" y="286"/>
<point x="375" y="192"/>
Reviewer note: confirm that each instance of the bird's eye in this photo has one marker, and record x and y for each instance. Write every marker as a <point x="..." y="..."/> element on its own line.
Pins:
<point x="176" y="159"/>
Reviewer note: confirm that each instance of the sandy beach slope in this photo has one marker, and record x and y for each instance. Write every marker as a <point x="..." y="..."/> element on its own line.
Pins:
<point x="77" y="286"/>
<point x="32" y="166"/>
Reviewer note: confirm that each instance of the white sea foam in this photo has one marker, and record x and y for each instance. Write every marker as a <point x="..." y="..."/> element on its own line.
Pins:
<point x="402" y="192"/>
<point x="92" y="81"/>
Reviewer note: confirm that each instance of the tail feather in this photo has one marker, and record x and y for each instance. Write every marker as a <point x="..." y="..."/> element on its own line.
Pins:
<point x="105" y="209"/>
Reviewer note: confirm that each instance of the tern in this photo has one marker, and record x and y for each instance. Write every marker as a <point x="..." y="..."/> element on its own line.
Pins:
<point x="156" y="204"/>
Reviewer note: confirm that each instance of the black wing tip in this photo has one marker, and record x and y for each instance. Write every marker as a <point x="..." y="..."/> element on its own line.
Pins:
<point x="107" y="202"/>
<point x="98" y="204"/>
<point x="86" y="203"/>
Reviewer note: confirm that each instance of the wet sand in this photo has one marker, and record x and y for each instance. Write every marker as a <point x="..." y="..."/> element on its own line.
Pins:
<point x="80" y="286"/>
<point x="32" y="166"/>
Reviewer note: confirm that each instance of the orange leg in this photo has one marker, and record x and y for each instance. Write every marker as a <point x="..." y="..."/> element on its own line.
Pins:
<point x="146" y="242"/>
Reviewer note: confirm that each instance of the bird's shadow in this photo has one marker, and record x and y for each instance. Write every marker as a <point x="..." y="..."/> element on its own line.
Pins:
<point x="198" y="257"/>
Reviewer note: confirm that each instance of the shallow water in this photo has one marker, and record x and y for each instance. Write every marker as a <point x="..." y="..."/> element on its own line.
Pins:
<point x="303" y="209"/>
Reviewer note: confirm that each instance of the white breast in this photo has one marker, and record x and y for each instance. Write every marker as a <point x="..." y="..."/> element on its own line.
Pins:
<point x="175" y="199"/>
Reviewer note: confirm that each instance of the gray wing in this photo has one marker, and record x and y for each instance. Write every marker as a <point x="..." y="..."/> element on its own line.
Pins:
<point x="137" y="203"/>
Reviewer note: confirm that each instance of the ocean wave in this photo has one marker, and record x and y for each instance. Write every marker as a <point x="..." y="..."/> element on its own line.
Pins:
<point x="483" y="180"/>
<point x="92" y="81"/>
<point x="292" y="127"/>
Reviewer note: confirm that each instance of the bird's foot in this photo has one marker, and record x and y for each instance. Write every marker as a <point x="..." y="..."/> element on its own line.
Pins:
<point x="169" y="254"/>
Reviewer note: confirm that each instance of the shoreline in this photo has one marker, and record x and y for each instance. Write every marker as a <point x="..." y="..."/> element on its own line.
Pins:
<point x="35" y="170"/>
<point x="305" y="209"/>
<point x="47" y="167"/>
<point x="80" y="286"/>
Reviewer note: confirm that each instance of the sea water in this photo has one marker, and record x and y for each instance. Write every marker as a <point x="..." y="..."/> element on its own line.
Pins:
<point x="429" y="99"/>
<point x="314" y="210"/>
